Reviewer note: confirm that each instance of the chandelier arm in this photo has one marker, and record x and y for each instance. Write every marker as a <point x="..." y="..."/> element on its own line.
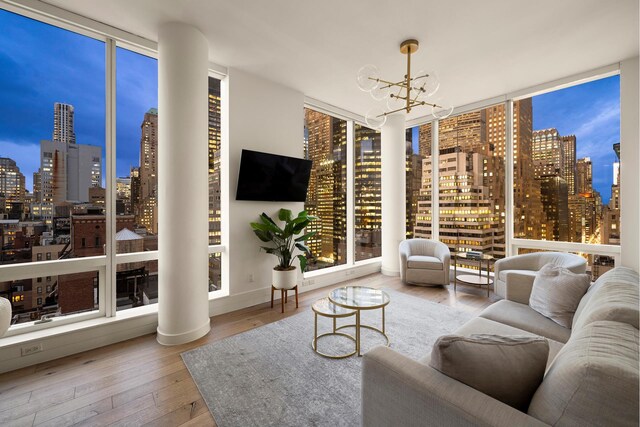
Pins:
<point x="399" y="84"/>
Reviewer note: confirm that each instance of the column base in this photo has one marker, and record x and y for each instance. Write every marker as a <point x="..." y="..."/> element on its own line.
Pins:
<point x="388" y="272"/>
<point x="177" y="339"/>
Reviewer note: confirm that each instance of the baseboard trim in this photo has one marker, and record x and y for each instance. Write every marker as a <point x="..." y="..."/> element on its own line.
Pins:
<point x="183" y="338"/>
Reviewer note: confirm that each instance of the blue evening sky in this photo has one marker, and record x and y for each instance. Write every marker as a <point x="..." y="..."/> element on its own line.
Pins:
<point x="41" y="64"/>
<point x="591" y="112"/>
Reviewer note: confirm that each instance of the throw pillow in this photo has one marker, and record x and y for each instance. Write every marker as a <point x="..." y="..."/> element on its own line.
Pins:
<point x="507" y="368"/>
<point x="557" y="292"/>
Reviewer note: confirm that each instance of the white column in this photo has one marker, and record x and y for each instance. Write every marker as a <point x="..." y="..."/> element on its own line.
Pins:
<point x="183" y="304"/>
<point x="393" y="192"/>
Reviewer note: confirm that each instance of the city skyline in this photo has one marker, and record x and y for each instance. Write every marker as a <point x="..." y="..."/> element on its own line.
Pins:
<point x="28" y="92"/>
<point x="590" y="111"/>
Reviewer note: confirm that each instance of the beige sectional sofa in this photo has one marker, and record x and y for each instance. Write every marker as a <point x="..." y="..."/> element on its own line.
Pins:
<point x="591" y="378"/>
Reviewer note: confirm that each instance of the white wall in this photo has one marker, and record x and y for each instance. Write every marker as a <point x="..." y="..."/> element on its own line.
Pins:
<point x="268" y="117"/>
<point x="630" y="163"/>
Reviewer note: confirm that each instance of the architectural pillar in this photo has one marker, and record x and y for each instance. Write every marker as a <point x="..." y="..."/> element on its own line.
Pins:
<point x="183" y="233"/>
<point x="393" y="192"/>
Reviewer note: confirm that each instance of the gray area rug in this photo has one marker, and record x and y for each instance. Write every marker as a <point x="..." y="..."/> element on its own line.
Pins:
<point x="270" y="376"/>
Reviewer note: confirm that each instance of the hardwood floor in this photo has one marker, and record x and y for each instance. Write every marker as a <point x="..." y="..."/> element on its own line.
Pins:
<point x="139" y="382"/>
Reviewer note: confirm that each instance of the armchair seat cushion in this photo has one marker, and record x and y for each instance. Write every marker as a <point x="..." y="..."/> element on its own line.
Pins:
<point x="503" y="274"/>
<point x="424" y="262"/>
<point x="522" y="316"/>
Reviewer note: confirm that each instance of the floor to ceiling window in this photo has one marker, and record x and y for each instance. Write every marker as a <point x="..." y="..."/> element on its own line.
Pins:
<point x="52" y="182"/>
<point x="567" y="167"/>
<point x="418" y="182"/>
<point x="367" y="189"/>
<point x="325" y="143"/>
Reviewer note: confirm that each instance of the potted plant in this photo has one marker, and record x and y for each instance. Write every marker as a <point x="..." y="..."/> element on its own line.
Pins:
<point x="284" y="243"/>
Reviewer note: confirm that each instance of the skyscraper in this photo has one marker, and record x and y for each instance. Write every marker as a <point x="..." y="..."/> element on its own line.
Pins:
<point x="584" y="176"/>
<point x="569" y="162"/>
<point x="67" y="169"/>
<point x="548" y="153"/>
<point x="147" y="211"/>
<point x="11" y="185"/>
<point x="63" y="130"/>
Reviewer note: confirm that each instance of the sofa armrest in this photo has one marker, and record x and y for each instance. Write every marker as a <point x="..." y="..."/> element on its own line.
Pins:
<point x="518" y="287"/>
<point x="398" y="391"/>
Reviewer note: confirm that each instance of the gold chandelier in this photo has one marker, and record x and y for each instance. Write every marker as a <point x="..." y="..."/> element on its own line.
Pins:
<point x="412" y="91"/>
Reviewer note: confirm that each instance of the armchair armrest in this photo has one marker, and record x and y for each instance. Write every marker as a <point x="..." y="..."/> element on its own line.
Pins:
<point x="443" y="254"/>
<point x="519" y="262"/>
<point x="518" y="287"/>
<point x="405" y="252"/>
<point x="397" y="390"/>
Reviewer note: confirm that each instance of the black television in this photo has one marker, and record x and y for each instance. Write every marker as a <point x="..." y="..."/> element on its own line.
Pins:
<point x="273" y="178"/>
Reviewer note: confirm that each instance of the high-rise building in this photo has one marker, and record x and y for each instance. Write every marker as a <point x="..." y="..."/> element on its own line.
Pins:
<point x="67" y="171"/>
<point x="147" y="210"/>
<point x="527" y="211"/>
<point x="424" y="140"/>
<point x="123" y="195"/>
<point x="569" y="162"/>
<point x="367" y="188"/>
<point x="548" y="153"/>
<point x="63" y="129"/>
<point x="414" y="182"/>
<point x="584" y="176"/>
<point x="136" y="191"/>
<point x="12" y="186"/>
<point x="555" y="202"/>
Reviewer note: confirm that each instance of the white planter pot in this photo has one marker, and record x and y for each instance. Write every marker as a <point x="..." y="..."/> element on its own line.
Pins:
<point x="284" y="279"/>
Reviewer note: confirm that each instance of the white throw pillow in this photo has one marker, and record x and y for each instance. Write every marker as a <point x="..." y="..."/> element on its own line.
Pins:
<point x="557" y="292"/>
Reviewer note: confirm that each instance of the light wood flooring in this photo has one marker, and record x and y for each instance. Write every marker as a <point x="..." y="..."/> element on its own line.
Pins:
<point x="139" y="382"/>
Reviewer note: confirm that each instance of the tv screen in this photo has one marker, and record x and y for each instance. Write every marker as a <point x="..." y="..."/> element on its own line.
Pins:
<point x="269" y="177"/>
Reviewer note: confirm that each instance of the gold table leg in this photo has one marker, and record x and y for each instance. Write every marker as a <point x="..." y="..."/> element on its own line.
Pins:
<point x="358" y="332"/>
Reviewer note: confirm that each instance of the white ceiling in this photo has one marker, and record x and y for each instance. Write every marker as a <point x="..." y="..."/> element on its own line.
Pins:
<point x="480" y="49"/>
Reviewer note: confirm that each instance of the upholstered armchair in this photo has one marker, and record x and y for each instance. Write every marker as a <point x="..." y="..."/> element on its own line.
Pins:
<point x="424" y="262"/>
<point x="514" y="275"/>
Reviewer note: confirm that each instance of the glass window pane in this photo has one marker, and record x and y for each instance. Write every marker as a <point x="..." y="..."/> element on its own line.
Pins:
<point x="325" y="143"/>
<point x="52" y="115"/>
<point x="215" y="269"/>
<point x="472" y="181"/>
<point x="136" y="284"/>
<point x="61" y="295"/>
<point x="368" y="202"/>
<point x="137" y="171"/>
<point x="567" y="164"/>
<point x="418" y="182"/>
<point x="215" y="140"/>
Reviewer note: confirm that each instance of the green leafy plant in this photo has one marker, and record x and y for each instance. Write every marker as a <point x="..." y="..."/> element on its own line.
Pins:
<point x="284" y="241"/>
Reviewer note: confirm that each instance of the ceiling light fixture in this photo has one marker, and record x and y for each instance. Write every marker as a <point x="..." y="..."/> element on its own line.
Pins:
<point x="412" y="91"/>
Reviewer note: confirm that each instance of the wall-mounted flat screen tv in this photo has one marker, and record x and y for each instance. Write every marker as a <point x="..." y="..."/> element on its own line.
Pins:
<point x="270" y="177"/>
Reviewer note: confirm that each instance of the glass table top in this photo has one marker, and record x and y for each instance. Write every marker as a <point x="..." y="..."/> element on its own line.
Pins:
<point x="327" y="308"/>
<point x="465" y="255"/>
<point x="360" y="297"/>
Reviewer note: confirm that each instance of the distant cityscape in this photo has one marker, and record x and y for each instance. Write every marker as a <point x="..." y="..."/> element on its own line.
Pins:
<point x="64" y="217"/>
<point x="554" y="196"/>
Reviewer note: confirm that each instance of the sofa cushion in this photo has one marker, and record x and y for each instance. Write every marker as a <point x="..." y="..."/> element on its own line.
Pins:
<point x="502" y="275"/>
<point x="593" y="380"/>
<point x="557" y="292"/>
<point x="480" y="325"/>
<point x="614" y="296"/>
<point x="522" y="316"/>
<point x="507" y="368"/>
<point x="424" y="262"/>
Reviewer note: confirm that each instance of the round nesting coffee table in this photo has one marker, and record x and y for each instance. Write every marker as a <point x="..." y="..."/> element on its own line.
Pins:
<point x="326" y="308"/>
<point x="360" y="298"/>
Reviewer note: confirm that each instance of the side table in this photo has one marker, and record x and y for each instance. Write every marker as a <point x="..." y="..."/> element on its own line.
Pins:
<point x="473" y="279"/>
